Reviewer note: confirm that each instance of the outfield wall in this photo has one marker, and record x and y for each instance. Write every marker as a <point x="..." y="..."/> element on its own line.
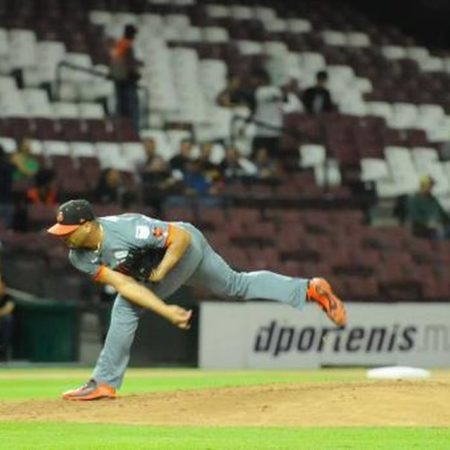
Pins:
<point x="268" y="335"/>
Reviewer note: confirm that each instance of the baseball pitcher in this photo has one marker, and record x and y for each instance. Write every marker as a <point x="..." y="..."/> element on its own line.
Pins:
<point x="146" y="260"/>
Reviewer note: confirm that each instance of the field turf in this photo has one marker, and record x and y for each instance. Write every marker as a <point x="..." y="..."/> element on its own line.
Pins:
<point x="39" y="383"/>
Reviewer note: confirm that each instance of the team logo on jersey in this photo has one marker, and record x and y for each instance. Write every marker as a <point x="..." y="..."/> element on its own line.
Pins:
<point x="158" y="232"/>
<point x="142" y="232"/>
<point x="121" y="254"/>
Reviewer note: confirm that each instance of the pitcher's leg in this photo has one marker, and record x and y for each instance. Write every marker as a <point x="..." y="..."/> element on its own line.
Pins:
<point x="215" y="274"/>
<point x="114" y="357"/>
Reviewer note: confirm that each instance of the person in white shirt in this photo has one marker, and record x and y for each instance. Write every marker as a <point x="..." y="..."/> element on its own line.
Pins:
<point x="268" y="115"/>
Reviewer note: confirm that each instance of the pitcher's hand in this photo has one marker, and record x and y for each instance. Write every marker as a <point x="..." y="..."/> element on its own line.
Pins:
<point x="179" y="316"/>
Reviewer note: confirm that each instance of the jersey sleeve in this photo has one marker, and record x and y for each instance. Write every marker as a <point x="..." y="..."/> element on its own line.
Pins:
<point x="86" y="262"/>
<point x="149" y="232"/>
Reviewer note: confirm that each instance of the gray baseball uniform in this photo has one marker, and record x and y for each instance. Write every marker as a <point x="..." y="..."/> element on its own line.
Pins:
<point x="199" y="266"/>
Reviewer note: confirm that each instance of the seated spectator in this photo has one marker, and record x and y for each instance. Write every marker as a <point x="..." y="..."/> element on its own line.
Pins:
<point x="150" y="152"/>
<point x="44" y="190"/>
<point x="425" y="214"/>
<point x="110" y="188"/>
<point x="26" y="164"/>
<point x="158" y="183"/>
<point x="268" y="114"/>
<point x="291" y="97"/>
<point x="195" y="181"/>
<point x="207" y="167"/>
<point x="6" y="192"/>
<point x="265" y="166"/>
<point x="183" y="157"/>
<point x="235" y="94"/>
<point x="234" y="165"/>
<point x="6" y="322"/>
<point x="317" y="99"/>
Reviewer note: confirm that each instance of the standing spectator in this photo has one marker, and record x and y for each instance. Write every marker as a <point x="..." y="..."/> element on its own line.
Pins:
<point x="268" y="115"/>
<point x="317" y="99"/>
<point x="291" y="97"/>
<point x="6" y="322"/>
<point x="26" y="164"/>
<point x="125" y="73"/>
<point x="180" y="161"/>
<point x="425" y="214"/>
<point x="6" y="194"/>
<point x="44" y="190"/>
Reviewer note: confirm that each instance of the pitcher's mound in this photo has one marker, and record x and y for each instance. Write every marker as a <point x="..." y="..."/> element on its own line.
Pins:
<point x="405" y="403"/>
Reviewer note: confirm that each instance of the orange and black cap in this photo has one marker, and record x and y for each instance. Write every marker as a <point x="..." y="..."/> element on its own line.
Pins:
<point x="70" y="216"/>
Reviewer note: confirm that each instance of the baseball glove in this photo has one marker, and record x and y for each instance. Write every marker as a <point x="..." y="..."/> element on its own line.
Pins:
<point x="140" y="262"/>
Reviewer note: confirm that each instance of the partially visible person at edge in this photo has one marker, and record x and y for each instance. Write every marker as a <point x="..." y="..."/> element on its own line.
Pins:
<point x="425" y="214"/>
<point x="6" y="321"/>
<point x="100" y="246"/>
<point x="6" y="189"/>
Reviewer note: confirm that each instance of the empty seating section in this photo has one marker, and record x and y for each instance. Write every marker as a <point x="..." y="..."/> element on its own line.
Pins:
<point x="394" y="112"/>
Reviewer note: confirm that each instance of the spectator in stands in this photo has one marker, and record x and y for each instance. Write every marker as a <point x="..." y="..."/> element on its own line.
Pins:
<point x="268" y="115"/>
<point x="234" y="165"/>
<point x="26" y="164"/>
<point x="207" y="167"/>
<point x="6" y="322"/>
<point x="235" y="94"/>
<point x="159" y="183"/>
<point x="317" y="99"/>
<point x="196" y="182"/>
<point x="6" y="189"/>
<point x="265" y="166"/>
<point x="425" y="214"/>
<point x="44" y="190"/>
<point x="180" y="161"/>
<point x="150" y="150"/>
<point x="150" y="154"/>
<point x="110" y="188"/>
<point x="124" y="70"/>
<point x="291" y="96"/>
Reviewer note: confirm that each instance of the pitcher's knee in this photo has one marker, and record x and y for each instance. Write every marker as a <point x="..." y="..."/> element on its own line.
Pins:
<point x="237" y="285"/>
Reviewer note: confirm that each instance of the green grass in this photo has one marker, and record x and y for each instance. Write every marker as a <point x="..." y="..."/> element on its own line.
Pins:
<point x="48" y="436"/>
<point x="23" y="384"/>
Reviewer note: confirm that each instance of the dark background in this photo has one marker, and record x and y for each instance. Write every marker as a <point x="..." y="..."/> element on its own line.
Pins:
<point x="426" y="20"/>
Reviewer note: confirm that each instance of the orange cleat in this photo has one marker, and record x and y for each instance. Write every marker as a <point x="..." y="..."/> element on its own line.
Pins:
<point x="319" y="291"/>
<point x="91" y="391"/>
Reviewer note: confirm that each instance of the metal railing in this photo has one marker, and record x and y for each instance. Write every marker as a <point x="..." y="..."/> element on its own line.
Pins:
<point x="237" y="118"/>
<point x="97" y="73"/>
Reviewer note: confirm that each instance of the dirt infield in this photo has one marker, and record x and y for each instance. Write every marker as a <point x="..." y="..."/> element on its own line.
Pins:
<point x="374" y="403"/>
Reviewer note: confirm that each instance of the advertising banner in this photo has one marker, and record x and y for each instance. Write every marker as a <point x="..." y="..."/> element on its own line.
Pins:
<point x="271" y="335"/>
